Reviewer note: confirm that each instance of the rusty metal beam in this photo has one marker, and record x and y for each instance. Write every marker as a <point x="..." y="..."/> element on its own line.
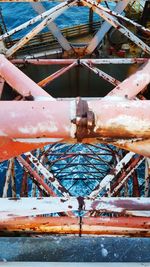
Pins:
<point x="124" y="18"/>
<point x="141" y="147"/>
<point x="89" y="61"/>
<point x="39" y="8"/>
<point x="30" y="22"/>
<point x="116" y="24"/>
<point x="43" y="186"/>
<point x="12" y="208"/>
<point x="54" y="14"/>
<point x="110" y="177"/>
<point x="43" y="122"/>
<point x="54" y="119"/>
<point x="133" y="85"/>
<point x="102" y="74"/>
<point x="20" y="82"/>
<point x="48" y="176"/>
<point x="123" y="178"/>
<point x="105" y="27"/>
<point x="55" y="75"/>
<point x="67" y="225"/>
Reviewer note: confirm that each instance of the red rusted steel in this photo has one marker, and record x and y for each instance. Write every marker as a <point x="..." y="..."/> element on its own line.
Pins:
<point x="102" y="74"/>
<point x="116" y="187"/>
<point x="20" y="82"/>
<point x="36" y="177"/>
<point x="133" y="85"/>
<point x="116" y="24"/>
<point x="24" y="185"/>
<point x="98" y="225"/>
<point x="141" y="147"/>
<point x="118" y="119"/>
<point x="136" y="186"/>
<point x="43" y="122"/>
<point x="55" y="75"/>
<point x="44" y="119"/>
<point x="90" y="61"/>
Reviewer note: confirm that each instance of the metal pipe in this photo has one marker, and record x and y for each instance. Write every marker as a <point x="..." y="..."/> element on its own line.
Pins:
<point x="55" y="75"/>
<point x="39" y="8"/>
<point x="105" y="27"/>
<point x="116" y="24"/>
<point x="12" y="208"/>
<point x="42" y="122"/>
<point x="133" y="85"/>
<point x="20" y="82"/>
<point x="62" y="225"/>
<point x="58" y="10"/>
<point x="44" y="119"/>
<point x="32" y="21"/>
<point x="110" y="177"/>
<point x="102" y="74"/>
<point x="89" y="61"/>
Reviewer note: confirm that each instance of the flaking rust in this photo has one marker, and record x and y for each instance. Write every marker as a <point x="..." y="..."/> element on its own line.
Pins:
<point x="35" y="119"/>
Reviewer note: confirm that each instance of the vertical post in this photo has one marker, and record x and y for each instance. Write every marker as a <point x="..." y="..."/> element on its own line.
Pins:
<point x="2" y="81"/>
<point x="147" y="176"/>
<point x="13" y="180"/>
<point x="90" y="20"/>
<point x="24" y="186"/>
<point x="136" y="189"/>
<point x="8" y="176"/>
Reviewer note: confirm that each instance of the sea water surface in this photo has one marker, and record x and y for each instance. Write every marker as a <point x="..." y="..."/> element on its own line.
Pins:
<point x="20" y="12"/>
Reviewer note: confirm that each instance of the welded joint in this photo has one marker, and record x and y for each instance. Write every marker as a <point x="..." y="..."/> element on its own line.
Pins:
<point x="84" y="121"/>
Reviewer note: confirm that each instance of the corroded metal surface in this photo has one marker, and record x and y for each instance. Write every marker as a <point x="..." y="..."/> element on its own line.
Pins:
<point x="109" y="207"/>
<point x="12" y="208"/>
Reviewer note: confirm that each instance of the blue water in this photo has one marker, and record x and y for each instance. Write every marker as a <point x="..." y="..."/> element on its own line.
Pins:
<point x="18" y="13"/>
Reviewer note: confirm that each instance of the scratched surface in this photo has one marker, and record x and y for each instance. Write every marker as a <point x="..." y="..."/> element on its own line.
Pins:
<point x="75" y="249"/>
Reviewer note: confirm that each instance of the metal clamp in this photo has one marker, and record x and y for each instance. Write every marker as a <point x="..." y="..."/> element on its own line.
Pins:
<point x="85" y="120"/>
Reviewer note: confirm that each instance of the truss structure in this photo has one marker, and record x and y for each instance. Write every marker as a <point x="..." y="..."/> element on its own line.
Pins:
<point x="85" y="169"/>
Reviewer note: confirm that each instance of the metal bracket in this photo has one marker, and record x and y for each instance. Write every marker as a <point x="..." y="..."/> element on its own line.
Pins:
<point x="85" y="120"/>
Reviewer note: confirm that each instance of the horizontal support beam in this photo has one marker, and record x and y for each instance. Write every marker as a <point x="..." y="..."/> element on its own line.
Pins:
<point x="44" y="119"/>
<point x="12" y="208"/>
<point x="32" y="124"/>
<point x="89" y="61"/>
<point x="69" y="225"/>
<point x="68" y="264"/>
